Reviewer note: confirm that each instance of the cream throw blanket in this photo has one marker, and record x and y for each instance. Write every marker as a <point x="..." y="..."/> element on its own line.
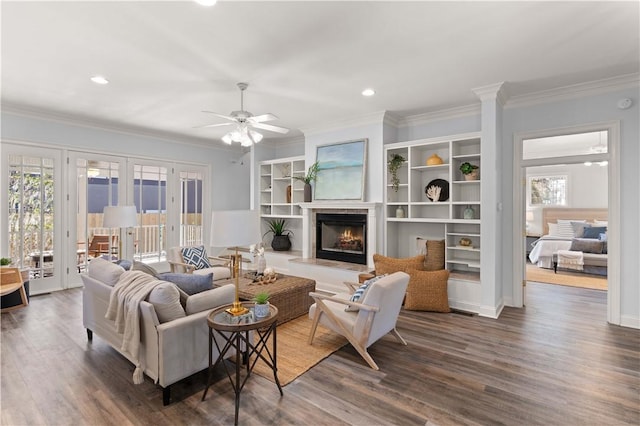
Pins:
<point x="124" y="308"/>
<point x="568" y="259"/>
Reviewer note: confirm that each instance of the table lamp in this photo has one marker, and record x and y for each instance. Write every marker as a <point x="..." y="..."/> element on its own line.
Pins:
<point x="119" y="217"/>
<point x="234" y="228"/>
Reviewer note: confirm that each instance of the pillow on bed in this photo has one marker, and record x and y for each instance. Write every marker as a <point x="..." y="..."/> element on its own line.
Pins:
<point x="579" y="228"/>
<point x="594" y="232"/>
<point x="553" y="229"/>
<point x="587" y="245"/>
<point x="565" y="228"/>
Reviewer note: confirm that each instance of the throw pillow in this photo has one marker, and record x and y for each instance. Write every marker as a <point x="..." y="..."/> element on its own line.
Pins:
<point x="427" y="291"/>
<point x="388" y="265"/>
<point x="587" y="245"/>
<point x="579" y="228"/>
<point x="553" y="229"/>
<point x="143" y="267"/>
<point x="189" y="283"/>
<point x="565" y="230"/>
<point x="434" y="260"/>
<point x="165" y="298"/>
<point x="358" y="295"/>
<point x="196" y="256"/>
<point x="105" y="271"/>
<point x="594" y="232"/>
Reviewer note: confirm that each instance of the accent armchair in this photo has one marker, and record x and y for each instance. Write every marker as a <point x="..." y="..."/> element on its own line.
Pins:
<point x="221" y="270"/>
<point x="376" y="315"/>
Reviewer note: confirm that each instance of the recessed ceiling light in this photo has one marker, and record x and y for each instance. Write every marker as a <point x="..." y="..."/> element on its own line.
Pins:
<point x="98" y="79"/>
<point x="368" y="92"/>
<point x="206" y="2"/>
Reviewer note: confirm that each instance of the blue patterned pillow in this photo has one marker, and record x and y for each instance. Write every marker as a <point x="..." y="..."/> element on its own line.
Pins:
<point x="594" y="232"/>
<point x="189" y="283"/>
<point x="196" y="256"/>
<point x="358" y="295"/>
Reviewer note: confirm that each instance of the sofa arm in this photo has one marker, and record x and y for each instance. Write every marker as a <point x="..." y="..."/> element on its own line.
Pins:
<point x="210" y="299"/>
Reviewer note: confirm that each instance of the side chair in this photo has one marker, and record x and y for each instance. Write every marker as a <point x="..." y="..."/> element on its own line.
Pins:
<point x="363" y="322"/>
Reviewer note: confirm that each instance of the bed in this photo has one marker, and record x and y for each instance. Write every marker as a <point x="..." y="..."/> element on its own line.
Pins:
<point x="544" y="251"/>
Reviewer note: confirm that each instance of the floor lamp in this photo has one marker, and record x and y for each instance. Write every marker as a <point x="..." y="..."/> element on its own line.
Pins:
<point x="234" y="228"/>
<point x="119" y="217"/>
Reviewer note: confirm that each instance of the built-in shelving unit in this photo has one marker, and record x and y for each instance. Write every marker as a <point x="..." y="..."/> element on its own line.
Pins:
<point x="451" y="219"/>
<point x="280" y="193"/>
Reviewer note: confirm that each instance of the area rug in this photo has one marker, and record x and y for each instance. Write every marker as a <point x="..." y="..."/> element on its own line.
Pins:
<point x="295" y="356"/>
<point x="571" y="279"/>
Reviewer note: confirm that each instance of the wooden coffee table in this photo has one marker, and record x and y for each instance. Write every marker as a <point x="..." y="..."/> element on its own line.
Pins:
<point x="288" y="293"/>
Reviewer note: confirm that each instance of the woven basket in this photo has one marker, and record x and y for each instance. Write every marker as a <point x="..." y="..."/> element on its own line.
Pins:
<point x="434" y="260"/>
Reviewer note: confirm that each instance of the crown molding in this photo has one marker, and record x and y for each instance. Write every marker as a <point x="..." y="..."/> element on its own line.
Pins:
<point x="575" y="91"/>
<point x="284" y="142"/>
<point x="444" y="114"/>
<point x="57" y="117"/>
<point x="392" y="119"/>
<point x="492" y="92"/>
<point x="362" y="120"/>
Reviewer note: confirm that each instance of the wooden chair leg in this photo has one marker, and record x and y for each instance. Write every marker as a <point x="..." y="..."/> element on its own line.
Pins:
<point x="364" y="354"/>
<point x="314" y="325"/>
<point x="398" y="336"/>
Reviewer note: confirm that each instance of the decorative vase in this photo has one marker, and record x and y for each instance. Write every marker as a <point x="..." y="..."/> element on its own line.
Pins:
<point x="289" y="194"/>
<point x="468" y="213"/>
<point x="261" y="265"/>
<point x="399" y="212"/>
<point x="261" y="310"/>
<point x="473" y="175"/>
<point x="281" y="243"/>
<point x="307" y="192"/>
<point x="434" y="160"/>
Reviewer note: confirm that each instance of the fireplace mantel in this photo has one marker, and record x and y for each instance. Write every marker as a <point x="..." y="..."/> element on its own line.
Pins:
<point x="371" y="209"/>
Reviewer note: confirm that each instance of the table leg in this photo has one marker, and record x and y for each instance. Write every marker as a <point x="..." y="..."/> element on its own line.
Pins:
<point x="238" y="388"/>
<point x="275" y="358"/>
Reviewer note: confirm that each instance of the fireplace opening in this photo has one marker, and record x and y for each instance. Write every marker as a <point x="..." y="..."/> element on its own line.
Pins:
<point x="341" y="237"/>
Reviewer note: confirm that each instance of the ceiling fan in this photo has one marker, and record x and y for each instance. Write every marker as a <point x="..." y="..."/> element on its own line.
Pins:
<point x="244" y="120"/>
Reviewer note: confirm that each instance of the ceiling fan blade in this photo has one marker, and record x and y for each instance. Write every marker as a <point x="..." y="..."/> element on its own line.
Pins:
<point x="270" y="128"/>
<point x="228" y="117"/>
<point x="262" y="118"/>
<point x="213" y="125"/>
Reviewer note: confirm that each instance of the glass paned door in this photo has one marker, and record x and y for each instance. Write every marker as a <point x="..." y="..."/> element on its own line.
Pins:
<point x="191" y="230"/>
<point x="31" y="203"/>
<point x="150" y="199"/>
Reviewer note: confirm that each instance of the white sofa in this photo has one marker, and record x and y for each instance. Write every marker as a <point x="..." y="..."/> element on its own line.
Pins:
<point x="169" y="351"/>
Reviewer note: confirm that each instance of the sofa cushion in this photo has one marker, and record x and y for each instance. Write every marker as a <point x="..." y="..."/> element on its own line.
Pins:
<point x="189" y="283"/>
<point x="139" y="266"/>
<point x="389" y="265"/>
<point x="165" y="299"/>
<point x="210" y="299"/>
<point x="105" y="271"/>
<point x="427" y="291"/>
<point x="196" y="256"/>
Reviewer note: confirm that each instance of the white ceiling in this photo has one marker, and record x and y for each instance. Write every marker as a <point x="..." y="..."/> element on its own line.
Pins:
<point x="306" y="62"/>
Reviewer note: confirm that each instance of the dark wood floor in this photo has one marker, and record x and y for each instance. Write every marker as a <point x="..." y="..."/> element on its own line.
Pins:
<point x="556" y="362"/>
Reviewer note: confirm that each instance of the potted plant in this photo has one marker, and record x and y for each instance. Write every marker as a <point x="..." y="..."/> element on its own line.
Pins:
<point x="261" y="308"/>
<point x="312" y="174"/>
<point x="281" y="241"/>
<point x="470" y="171"/>
<point x="394" y="164"/>
<point x="5" y="261"/>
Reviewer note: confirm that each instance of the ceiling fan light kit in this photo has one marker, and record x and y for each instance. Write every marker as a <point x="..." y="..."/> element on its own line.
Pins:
<point x="244" y="120"/>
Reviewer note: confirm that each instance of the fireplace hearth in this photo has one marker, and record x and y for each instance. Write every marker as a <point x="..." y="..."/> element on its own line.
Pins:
<point x="342" y="237"/>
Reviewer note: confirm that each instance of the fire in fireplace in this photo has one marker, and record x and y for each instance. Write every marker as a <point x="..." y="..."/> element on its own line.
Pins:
<point x="341" y="237"/>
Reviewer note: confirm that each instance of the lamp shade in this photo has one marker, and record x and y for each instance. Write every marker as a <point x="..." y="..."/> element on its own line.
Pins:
<point x="119" y="217"/>
<point x="233" y="228"/>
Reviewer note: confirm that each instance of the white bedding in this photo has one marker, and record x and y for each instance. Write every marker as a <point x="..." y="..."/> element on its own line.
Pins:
<point x="543" y="249"/>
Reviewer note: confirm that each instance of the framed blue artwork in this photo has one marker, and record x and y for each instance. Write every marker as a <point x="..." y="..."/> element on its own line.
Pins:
<point x="341" y="172"/>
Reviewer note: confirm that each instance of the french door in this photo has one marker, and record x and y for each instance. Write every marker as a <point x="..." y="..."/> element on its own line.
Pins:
<point x="32" y="179"/>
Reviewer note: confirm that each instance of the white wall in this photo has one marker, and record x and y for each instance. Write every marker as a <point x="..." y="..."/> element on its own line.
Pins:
<point x="588" y="188"/>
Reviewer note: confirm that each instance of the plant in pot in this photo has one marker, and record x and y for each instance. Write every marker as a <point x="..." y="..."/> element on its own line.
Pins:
<point x="393" y="164"/>
<point x="312" y="174"/>
<point x="470" y="171"/>
<point x="261" y="308"/>
<point x="281" y="241"/>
